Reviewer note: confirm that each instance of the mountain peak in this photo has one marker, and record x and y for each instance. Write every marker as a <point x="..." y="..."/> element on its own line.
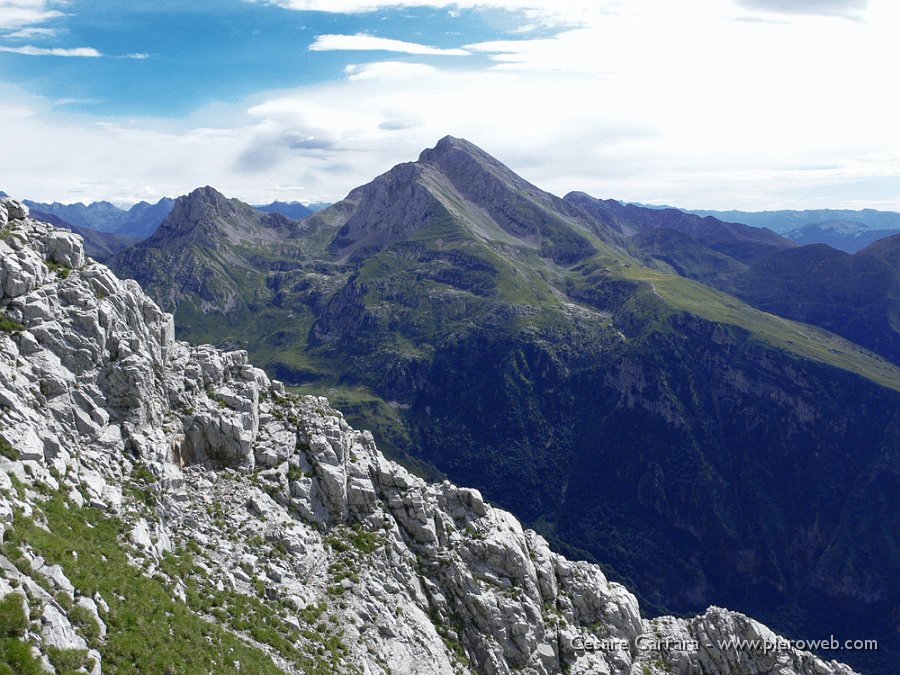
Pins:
<point x="206" y="194"/>
<point x="200" y="206"/>
<point x="451" y="146"/>
<point x="208" y="215"/>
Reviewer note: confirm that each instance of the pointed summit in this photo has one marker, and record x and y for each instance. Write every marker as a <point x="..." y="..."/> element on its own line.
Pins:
<point x="207" y="216"/>
<point x="203" y="247"/>
<point x="458" y="184"/>
<point x="451" y="144"/>
<point x="459" y="157"/>
<point x="203" y="203"/>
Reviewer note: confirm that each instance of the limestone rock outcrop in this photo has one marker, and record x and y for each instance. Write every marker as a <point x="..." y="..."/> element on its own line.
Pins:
<point x="277" y="498"/>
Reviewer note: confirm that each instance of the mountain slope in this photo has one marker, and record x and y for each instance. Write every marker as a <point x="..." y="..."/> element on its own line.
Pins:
<point x="888" y="249"/>
<point x="459" y="186"/>
<point x="511" y="340"/>
<point x="741" y="242"/>
<point x="857" y="296"/>
<point x="204" y="250"/>
<point x="849" y="236"/>
<point x="853" y="296"/>
<point x="168" y="508"/>
<point x="143" y="218"/>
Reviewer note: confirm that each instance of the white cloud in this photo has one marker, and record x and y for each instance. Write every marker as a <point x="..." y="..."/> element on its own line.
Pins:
<point x="31" y="33"/>
<point x="679" y="104"/>
<point x="21" y="13"/>
<point x="30" y="50"/>
<point x="360" y="42"/>
<point x="26" y="17"/>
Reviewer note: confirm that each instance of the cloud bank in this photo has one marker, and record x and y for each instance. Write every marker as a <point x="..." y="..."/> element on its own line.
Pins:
<point x="848" y="8"/>
<point x="684" y="104"/>
<point x="21" y="13"/>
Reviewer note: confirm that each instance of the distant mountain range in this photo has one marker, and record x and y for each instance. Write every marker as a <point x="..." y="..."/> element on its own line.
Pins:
<point x="294" y="210"/>
<point x="578" y="361"/>
<point x="842" y="229"/>
<point x="845" y="230"/>
<point x="142" y="219"/>
<point x="856" y="296"/>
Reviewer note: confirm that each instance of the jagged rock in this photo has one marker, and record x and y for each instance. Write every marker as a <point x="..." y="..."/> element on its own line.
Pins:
<point x="13" y="209"/>
<point x="420" y="578"/>
<point x="65" y="249"/>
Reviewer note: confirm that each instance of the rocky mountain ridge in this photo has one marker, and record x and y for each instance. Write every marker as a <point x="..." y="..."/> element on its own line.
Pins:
<point x="281" y="534"/>
<point x="198" y="245"/>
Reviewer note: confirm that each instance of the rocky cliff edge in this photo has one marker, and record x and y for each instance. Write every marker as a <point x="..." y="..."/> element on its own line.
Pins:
<point x="252" y="506"/>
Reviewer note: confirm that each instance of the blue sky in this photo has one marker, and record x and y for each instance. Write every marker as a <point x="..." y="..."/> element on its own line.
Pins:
<point x="169" y="58"/>
<point x="715" y="103"/>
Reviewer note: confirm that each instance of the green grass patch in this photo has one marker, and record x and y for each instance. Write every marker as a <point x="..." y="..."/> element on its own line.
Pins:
<point x="62" y="270"/>
<point x="69" y="660"/>
<point x="7" y="325"/>
<point x="8" y="450"/>
<point x="149" y="631"/>
<point x="16" y="658"/>
<point x="13" y="621"/>
<point x="15" y="654"/>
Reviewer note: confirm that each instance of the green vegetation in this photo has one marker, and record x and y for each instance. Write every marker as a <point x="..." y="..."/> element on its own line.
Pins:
<point x="148" y="629"/>
<point x="801" y="339"/>
<point x="68" y="661"/>
<point x="314" y="649"/>
<point x="7" y="325"/>
<point x="62" y="270"/>
<point x="13" y="621"/>
<point x="16" y="658"/>
<point x="15" y="653"/>
<point x="8" y="451"/>
<point x="352" y="546"/>
<point x="85" y="623"/>
<point x="140" y="485"/>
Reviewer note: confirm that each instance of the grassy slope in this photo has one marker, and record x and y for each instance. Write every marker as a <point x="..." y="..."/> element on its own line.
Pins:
<point x="801" y="339"/>
<point x="685" y="295"/>
<point x="148" y="629"/>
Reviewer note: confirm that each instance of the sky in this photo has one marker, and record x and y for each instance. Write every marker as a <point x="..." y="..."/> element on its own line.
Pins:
<point x="720" y="104"/>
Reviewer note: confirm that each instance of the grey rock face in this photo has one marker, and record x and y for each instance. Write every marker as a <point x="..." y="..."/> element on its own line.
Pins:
<point x="277" y="492"/>
<point x="10" y="209"/>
